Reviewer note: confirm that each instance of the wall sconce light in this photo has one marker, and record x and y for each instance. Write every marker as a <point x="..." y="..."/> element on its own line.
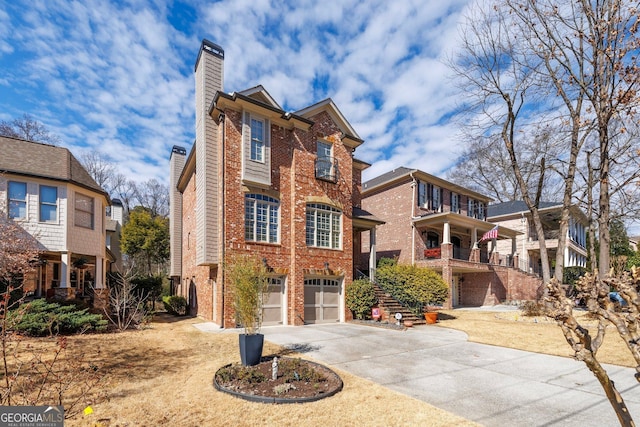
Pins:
<point x="264" y="262"/>
<point x="326" y="265"/>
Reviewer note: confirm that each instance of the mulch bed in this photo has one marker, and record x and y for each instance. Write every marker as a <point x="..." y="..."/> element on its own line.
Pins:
<point x="297" y="380"/>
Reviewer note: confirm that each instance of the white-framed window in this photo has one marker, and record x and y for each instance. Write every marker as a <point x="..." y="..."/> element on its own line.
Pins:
<point x="48" y="197"/>
<point x="324" y="226"/>
<point x="455" y="202"/>
<point x="83" y="211"/>
<point x="471" y="207"/>
<point x="325" y="164"/>
<point x="17" y="196"/>
<point x="257" y="139"/>
<point x="261" y="218"/>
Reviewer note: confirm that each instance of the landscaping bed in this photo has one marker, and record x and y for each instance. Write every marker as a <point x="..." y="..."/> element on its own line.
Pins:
<point x="297" y="381"/>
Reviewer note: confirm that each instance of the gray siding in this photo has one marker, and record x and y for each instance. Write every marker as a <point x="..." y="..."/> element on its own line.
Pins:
<point x="252" y="171"/>
<point x="209" y="79"/>
<point x="176" y="165"/>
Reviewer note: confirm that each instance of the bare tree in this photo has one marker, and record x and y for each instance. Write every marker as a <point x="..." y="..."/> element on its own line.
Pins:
<point x="577" y="64"/>
<point x="500" y="96"/>
<point x="101" y="169"/>
<point x="154" y="196"/>
<point x="28" y="128"/>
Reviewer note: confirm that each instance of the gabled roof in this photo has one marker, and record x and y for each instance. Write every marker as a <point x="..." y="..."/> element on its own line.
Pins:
<point x="402" y="173"/>
<point x="257" y="100"/>
<point x="351" y="137"/>
<point x="516" y="206"/>
<point x="260" y="94"/>
<point x="35" y="159"/>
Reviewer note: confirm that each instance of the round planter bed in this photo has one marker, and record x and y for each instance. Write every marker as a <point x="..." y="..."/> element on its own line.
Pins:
<point x="298" y="381"/>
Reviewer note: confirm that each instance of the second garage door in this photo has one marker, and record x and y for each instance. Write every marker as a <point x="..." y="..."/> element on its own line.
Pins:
<point x="321" y="300"/>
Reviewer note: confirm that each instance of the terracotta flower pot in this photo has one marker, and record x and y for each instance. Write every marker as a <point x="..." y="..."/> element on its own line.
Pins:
<point x="431" y="317"/>
<point x="408" y="323"/>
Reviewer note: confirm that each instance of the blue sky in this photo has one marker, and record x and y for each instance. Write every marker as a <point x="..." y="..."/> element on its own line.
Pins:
<point x="117" y="77"/>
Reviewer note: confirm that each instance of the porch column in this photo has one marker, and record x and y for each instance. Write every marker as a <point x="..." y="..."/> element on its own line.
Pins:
<point x="65" y="291"/>
<point x="372" y="254"/>
<point x="514" y="251"/>
<point x="474" y="238"/>
<point x="446" y="234"/>
<point x="100" y="273"/>
<point x="65" y="258"/>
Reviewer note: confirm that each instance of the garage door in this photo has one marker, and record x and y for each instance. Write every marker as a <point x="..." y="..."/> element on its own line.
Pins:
<point x="273" y="301"/>
<point x="321" y="300"/>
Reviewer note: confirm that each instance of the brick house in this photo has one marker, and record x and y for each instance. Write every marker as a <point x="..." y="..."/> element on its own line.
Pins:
<point x="517" y="216"/>
<point x="258" y="180"/>
<point x="48" y="192"/>
<point x="434" y="223"/>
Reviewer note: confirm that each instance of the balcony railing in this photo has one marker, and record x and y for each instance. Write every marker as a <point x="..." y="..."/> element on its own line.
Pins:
<point x="327" y="169"/>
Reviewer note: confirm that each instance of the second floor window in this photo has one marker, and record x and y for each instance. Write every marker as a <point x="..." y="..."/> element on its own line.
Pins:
<point x="83" y="211"/>
<point x="430" y="196"/>
<point x="17" y="200"/>
<point x="455" y="202"/>
<point x="476" y="209"/>
<point x="325" y="162"/>
<point x="257" y="140"/>
<point x="261" y="218"/>
<point x="324" y="226"/>
<point x="48" y="203"/>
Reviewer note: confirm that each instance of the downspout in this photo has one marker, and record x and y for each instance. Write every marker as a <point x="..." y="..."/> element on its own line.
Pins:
<point x="413" y="226"/>
<point x="221" y="118"/>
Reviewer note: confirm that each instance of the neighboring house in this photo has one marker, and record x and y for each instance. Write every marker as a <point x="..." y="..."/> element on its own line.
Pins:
<point x="114" y="231"/>
<point x="281" y="186"/>
<point x="48" y="192"/>
<point x="438" y="224"/>
<point x="516" y="215"/>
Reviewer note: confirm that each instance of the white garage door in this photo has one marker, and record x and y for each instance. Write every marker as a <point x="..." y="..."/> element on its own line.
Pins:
<point x="321" y="300"/>
<point x="272" y="309"/>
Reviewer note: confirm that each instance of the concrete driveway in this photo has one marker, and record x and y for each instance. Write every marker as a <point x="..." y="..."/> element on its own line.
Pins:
<point x="493" y="386"/>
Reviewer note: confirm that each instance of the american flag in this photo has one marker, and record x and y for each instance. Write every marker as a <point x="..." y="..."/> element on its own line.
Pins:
<point x="491" y="234"/>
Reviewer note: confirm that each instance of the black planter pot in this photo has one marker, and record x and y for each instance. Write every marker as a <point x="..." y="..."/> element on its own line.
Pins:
<point x="251" y="349"/>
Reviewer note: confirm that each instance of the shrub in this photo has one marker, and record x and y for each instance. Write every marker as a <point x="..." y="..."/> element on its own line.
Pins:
<point x="413" y="286"/>
<point x="40" y="318"/>
<point x="360" y="298"/>
<point x="571" y="274"/>
<point x="175" y="305"/>
<point x="531" y="309"/>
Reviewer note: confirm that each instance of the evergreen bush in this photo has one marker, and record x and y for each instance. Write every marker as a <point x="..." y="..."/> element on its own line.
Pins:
<point x="360" y="297"/>
<point x="413" y="286"/>
<point x="41" y="318"/>
<point x="175" y="305"/>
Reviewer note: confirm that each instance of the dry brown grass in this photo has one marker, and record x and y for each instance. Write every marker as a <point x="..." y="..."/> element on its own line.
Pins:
<point x="163" y="376"/>
<point x="536" y="334"/>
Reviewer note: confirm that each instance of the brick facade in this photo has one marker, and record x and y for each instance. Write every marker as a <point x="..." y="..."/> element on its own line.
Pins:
<point x="443" y="238"/>
<point x="292" y="156"/>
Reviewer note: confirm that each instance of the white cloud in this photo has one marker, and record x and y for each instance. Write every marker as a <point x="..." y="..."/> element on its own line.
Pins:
<point x="119" y="77"/>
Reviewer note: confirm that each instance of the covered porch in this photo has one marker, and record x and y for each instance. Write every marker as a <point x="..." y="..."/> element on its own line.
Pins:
<point x="464" y="251"/>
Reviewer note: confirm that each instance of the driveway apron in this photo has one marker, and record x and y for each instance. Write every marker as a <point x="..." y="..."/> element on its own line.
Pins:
<point x="493" y="386"/>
